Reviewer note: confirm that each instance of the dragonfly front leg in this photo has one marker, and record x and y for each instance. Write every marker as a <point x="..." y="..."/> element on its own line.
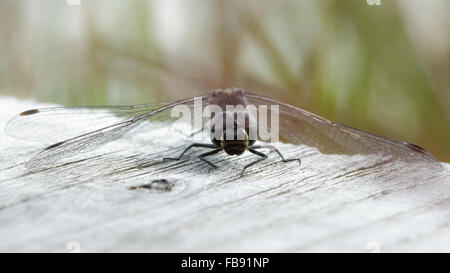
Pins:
<point x="264" y="156"/>
<point x="203" y="145"/>
<point x="196" y="132"/>
<point x="202" y="157"/>
<point x="278" y="152"/>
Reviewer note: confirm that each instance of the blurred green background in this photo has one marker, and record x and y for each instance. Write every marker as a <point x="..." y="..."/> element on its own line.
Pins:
<point x="383" y="69"/>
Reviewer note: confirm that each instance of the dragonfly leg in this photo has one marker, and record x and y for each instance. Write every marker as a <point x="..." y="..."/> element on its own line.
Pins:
<point x="278" y="152"/>
<point x="202" y="157"/>
<point x="263" y="157"/>
<point x="196" y="132"/>
<point x="204" y="145"/>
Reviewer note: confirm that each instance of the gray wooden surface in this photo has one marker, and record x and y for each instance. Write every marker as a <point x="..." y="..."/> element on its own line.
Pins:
<point x="106" y="200"/>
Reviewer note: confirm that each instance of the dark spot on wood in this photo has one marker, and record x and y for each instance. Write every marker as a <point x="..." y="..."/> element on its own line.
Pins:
<point x="29" y="112"/>
<point x="157" y="185"/>
<point x="54" y="145"/>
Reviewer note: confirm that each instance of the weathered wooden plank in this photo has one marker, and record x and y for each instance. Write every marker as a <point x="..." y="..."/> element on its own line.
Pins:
<point x="101" y="201"/>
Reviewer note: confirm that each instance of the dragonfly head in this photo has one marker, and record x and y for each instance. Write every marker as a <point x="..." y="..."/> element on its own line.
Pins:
<point x="236" y="143"/>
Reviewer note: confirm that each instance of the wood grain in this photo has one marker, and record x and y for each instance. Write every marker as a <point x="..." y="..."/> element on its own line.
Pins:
<point x="122" y="197"/>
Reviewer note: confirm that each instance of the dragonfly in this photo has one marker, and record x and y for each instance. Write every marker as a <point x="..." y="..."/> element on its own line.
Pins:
<point x="83" y="129"/>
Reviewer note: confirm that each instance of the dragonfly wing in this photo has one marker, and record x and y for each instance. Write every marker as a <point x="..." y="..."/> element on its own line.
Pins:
<point x="92" y="140"/>
<point x="299" y="126"/>
<point x="59" y="123"/>
<point x="80" y="144"/>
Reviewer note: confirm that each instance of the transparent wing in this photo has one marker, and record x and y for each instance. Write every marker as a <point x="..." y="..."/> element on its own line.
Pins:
<point x="59" y="123"/>
<point x="298" y="126"/>
<point x="92" y="140"/>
